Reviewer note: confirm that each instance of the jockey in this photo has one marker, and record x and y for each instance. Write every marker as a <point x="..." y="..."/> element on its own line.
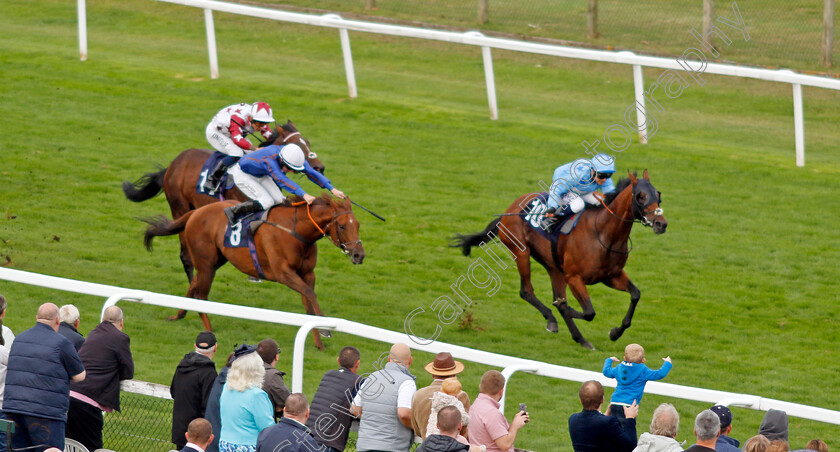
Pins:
<point x="262" y="174"/>
<point x="573" y="186"/>
<point x="226" y="133"/>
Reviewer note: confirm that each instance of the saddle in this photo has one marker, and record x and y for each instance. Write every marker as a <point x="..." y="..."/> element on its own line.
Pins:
<point x="533" y="214"/>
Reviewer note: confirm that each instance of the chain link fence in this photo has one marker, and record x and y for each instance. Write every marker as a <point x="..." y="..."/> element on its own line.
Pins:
<point x="782" y="33"/>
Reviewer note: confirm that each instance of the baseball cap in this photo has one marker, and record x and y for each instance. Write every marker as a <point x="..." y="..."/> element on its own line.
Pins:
<point x="724" y="414"/>
<point x="205" y="340"/>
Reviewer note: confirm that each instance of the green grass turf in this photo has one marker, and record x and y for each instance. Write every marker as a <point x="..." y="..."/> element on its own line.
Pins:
<point x="740" y="292"/>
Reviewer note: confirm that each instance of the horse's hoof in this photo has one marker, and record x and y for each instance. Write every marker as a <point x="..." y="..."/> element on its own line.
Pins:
<point x="172" y="318"/>
<point x="551" y="327"/>
<point x="615" y="333"/>
<point x="325" y="333"/>
<point x="585" y="344"/>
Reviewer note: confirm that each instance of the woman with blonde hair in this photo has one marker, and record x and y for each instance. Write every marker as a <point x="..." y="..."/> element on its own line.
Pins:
<point x="757" y="443"/>
<point x="245" y="408"/>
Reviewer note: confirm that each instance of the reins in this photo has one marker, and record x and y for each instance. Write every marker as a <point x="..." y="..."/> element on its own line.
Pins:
<point x="324" y="233"/>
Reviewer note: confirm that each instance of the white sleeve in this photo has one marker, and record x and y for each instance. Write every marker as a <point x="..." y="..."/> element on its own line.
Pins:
<point x="405" y="393"/>
<point x="590" y="198"/>
<point x="358" y="399"/>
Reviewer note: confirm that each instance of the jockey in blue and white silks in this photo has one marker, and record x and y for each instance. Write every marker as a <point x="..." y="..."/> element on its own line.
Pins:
<point x="573" y="185"/>
<point x="261" y="176"/>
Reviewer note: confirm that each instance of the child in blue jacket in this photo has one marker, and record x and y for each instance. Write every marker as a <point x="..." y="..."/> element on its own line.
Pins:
<point x="631" y="376"/>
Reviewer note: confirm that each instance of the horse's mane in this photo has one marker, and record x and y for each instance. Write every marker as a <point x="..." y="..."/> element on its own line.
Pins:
<point x="324" y="200"/>
<point x="289" y="127"/>
<point x="623" y="183"/>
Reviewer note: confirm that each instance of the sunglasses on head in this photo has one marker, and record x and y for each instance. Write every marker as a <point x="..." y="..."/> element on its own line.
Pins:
<point x="602" y="175"/>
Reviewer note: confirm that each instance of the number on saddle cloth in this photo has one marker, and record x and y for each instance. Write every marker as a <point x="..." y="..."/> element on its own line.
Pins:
<point x="533" y="211"/>
<point x="206" y="170"/>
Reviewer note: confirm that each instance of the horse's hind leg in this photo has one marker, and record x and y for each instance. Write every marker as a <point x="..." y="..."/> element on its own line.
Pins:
<point x="186" y="260"/>
<point x="569" y="314"/>
<point x="526" y="291"/>
<point x="623" y="283"/>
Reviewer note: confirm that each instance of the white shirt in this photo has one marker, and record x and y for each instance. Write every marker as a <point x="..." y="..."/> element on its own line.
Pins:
<point x="404" y="393"/>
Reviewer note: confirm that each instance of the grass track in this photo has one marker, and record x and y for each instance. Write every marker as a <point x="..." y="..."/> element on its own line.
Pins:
<point x="740" y="291"/>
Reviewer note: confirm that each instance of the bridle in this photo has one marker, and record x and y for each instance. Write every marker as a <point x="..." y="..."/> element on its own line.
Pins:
<point x="344" y="246"/>
<point x="640" y="215"/>
<point x="301" y="140"/>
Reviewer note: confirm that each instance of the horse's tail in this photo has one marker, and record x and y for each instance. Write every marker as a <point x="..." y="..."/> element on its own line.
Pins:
<point x="466" y="242"/>
<point x="160" y="225"/>
<point x="147" y="187"/>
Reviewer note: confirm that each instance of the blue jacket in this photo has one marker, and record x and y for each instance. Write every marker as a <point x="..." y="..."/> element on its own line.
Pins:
<point x="575" y="177"/>
<point x="41" y="363"/>
<point x="592" y="431"/>
<point x="266" y="162"/>
<point x="631" y="378"/>
<point x="727" y="444"/>
<point x="288" y="436"/>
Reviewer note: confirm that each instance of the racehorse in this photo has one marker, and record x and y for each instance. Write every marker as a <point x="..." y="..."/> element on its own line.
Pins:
<point x="285" y="245"/>
<point x="595" y="251"/>
<point x="179" y="180"/>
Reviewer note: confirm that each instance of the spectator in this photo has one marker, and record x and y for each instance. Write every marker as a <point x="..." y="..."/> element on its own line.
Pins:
<point x="488" y="426"/>
<point x="106" y="355"/>
<point x="381" y="427"/>
<point x="41" y="365"/>
<point x="592" y="431"/>
<point x="817" y="445"/>
<point x="191" y="386"/>
<point x="448" y="424"/>
<point x="774" y="425"/>
<point x="442" y="367"/>
<point x="778" y="446"/>
<point x="330" y="417"/>
<point x="447" y="396"/>
<point x="290" y="434"/>
<point x="631" y="376"/>
<point x="273" y="384"/>
<point x="211" y="413"/>
<point x="244" y="407"/>
<point x="757" y="443"/>
<point x="724" y="442"/>
<point x="707" y="430"/>
<point x="199" y="435"/>
<point x="663" y="431"/>
<point x="69" y="327"/>
<point x="6" y="340"/>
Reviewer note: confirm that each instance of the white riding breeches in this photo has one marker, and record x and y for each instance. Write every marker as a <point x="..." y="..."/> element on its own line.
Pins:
<point x="260" y="189"/>
<point x="221" y="142"/>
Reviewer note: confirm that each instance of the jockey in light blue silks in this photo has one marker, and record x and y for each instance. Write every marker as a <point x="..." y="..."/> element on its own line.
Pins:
<point x="261" y="176"/>
<point x="573" y="185"/>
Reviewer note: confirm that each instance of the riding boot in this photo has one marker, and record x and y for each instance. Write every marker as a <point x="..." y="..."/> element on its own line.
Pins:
<point x="549" y="219"/>
<point x="233" y="213"/>
<point x="212" y="182"/>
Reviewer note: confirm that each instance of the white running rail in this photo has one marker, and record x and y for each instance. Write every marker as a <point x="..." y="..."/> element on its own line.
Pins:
<point x="509" y="364"/>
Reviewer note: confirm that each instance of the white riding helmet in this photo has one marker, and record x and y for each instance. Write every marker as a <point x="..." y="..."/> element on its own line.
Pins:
<point x="292" y="156"/>
<point x="260" y="111"/>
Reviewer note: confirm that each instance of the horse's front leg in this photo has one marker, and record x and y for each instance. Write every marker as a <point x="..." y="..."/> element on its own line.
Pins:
<point x="579" y="291"/>
<point x="623" y="283"/>
<point x="307" y="294"/>
<point x="309" y="279"/>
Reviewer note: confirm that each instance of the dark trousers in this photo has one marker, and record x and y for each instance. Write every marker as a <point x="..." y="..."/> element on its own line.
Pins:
<point x="617" y="411"/>
<point x="36" y="431"/>
<point x="84" y="424"/>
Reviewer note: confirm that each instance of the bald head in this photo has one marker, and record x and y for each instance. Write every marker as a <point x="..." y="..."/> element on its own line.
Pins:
<point x="400" y="353"/>
<point x="591" y="395"/>
<point x="48" y="315"/>
<point x="112" y="314"/>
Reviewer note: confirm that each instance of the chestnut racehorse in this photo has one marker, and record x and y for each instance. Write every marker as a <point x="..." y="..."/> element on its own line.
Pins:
<point x="178" y="181"/>
<point x="595" y="251"/>
<point x="285" y="244"/>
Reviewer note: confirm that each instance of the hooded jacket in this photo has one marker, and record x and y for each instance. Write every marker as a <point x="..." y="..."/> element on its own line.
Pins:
<point x="190" y="390"/>
<point x="774" y="425"/>
<point x="631" y="378"/>
<point x="657" y="443"/>
<point x="441" y="443"/>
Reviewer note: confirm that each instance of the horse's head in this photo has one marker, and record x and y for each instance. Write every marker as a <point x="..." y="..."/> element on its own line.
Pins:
<point x="288" y="133"/>
<point x="646" y="200"/>
<point x="344" y="230"/>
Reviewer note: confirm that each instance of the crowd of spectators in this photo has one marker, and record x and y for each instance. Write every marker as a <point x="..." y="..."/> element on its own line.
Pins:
<point x="52" y="390"/>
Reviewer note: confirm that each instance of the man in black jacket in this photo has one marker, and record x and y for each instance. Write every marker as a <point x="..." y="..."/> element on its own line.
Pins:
<point x="106" y="355"/>
<point x="191" y="386"/>
<point x="329" y="416"/>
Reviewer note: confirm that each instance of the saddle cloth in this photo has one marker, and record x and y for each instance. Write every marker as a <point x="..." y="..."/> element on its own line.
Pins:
<point x="532" y="214"/>
<point x="207" y="170"/>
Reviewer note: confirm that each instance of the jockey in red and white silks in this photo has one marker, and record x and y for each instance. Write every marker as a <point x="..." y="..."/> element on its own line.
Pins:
<point x="226" y="133"/>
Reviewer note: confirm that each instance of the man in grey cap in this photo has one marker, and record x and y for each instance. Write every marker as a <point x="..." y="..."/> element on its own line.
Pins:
<point x="191" y="386"/>
<point x="724" y="442"/>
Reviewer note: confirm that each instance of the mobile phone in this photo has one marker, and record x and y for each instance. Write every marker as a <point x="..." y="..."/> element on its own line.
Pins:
<point x="522" y="407"/>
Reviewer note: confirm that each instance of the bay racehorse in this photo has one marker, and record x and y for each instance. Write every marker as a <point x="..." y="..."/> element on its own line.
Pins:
<point x="595" y="251"/>
<point x="285" y="245"/>
<point x="179" y="180"/>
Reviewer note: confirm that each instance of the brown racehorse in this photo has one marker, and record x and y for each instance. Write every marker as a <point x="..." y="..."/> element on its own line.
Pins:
<point x="179" y="180"/>
<point x="285" y="245"/>
<point x="594" y="252"/>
